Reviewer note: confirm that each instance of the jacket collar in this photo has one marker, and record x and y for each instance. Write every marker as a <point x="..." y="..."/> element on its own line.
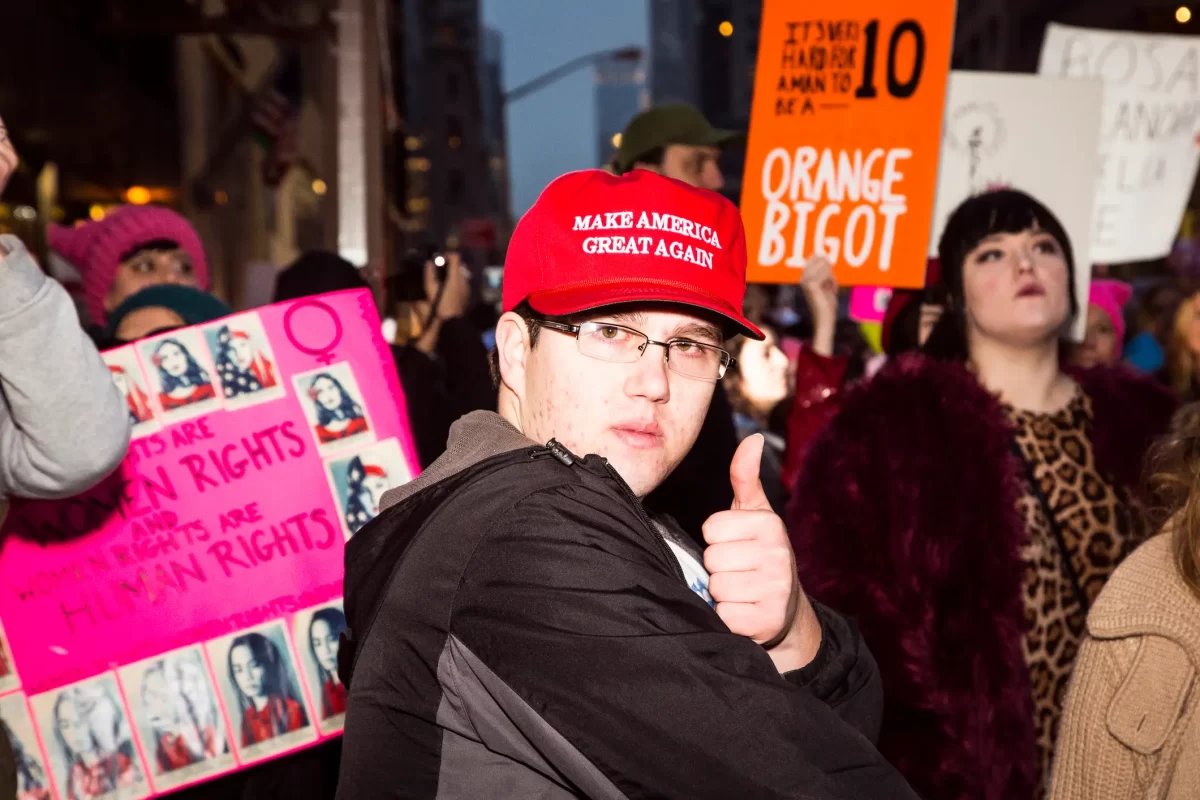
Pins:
<point x="475" y="437"/>
<point x="1146" y="597"/>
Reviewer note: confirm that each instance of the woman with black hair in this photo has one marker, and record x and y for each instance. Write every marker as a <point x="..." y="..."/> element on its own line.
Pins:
<point x="267" y="698"/>
<point x="967" y="505"/>
<point x="324" y="637"/>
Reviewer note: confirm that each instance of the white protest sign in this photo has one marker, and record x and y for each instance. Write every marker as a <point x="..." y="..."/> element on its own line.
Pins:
<point x="1148" y="152"/>
<point x="1039" y="135"/>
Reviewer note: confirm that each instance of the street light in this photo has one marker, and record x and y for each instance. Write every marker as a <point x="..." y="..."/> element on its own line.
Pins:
<point x="1183" y="15"/>
<point x="630" y="53"/>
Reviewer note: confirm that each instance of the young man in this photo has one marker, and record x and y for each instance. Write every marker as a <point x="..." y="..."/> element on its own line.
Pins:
<point x="519" y="626"/>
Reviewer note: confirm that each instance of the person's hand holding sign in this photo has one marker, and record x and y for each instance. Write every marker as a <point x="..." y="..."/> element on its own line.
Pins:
<point x="753" y="570"/>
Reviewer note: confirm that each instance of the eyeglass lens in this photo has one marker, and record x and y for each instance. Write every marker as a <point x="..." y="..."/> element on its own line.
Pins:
<point x="616" y="343"/>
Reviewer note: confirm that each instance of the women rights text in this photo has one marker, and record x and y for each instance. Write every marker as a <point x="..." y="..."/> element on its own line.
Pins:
<point x="841" y="204"/>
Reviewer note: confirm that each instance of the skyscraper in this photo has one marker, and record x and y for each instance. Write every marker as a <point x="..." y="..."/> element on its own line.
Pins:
<point x="703" y="52"/>
<point x="620" y="94"/>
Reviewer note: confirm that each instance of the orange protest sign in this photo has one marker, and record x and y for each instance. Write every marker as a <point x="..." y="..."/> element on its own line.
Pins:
<point x="845" y="133"/>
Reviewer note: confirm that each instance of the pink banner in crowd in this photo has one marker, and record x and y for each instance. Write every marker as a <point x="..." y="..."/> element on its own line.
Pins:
<point x="181" y="620"/>
<point x="869" y="303"/>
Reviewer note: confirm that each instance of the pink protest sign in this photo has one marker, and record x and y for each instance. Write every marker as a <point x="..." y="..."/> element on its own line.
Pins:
<point x="205" y="575"/>
<point x="869" y="303"/>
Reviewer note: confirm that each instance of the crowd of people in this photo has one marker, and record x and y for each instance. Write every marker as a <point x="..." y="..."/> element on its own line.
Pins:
<point x="966" y="566"/>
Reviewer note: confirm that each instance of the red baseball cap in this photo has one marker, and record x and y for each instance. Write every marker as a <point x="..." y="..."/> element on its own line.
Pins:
<point x="594" y="239"/>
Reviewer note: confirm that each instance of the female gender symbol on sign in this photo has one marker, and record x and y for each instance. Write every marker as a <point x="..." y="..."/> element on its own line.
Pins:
<point x="321" y="327"/>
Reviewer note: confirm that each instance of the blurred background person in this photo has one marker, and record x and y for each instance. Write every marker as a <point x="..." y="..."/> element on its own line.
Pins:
<point x="159" y="309"/>
<point x="676" y="140"/>
<point x="130" y="249"/>
<point x="1146" y="350"/>
<point x="757" y="384"/>
<point x="833" y="360"/>
<point x="966" y="507"/>
<point x="1131" y="730"/>
<point x="1182" y="369"/>
<point x="1105" y="333"/>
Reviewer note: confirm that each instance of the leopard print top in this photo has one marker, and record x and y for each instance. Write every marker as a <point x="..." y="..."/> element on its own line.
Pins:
<point x="1099" y="526"/>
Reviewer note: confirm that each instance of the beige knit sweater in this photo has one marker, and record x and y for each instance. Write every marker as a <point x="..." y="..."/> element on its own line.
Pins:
<point x="1131" y="727"/>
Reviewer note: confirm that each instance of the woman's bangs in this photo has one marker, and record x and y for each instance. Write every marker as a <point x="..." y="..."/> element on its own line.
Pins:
<point x="1006" y="212"/>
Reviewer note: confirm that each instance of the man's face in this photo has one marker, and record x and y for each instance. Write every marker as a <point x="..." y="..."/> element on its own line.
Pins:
<point x="641" y="416"/>
<point x="694" y="165"/>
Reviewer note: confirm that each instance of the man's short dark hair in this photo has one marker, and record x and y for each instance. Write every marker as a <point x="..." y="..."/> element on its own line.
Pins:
<point x="532" y="320"/>
<point x="652" y="157"/>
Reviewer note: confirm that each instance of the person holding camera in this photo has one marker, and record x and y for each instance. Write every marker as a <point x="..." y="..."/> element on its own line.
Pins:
<point x="443" y="367"/>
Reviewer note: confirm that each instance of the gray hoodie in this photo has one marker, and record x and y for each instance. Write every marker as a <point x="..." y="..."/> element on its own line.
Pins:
<point x="63" y="424"/>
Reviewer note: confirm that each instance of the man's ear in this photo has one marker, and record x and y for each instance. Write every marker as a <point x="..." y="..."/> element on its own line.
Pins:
<point x="513" y="349"/>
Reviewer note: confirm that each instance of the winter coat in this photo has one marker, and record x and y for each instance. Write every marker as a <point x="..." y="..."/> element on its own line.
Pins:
<point x="905" y="517"/>
<point x="63" y="424"/>
<point x="519" y="627"/>
<point x="1131" y="729"/>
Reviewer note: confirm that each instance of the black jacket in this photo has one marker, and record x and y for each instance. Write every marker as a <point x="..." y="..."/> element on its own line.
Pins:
<point x="519" y="628"/>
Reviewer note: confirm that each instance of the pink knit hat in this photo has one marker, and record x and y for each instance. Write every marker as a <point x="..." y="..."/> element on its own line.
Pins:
<point x="1111" y="297"/>
<point x="96" y="248"/>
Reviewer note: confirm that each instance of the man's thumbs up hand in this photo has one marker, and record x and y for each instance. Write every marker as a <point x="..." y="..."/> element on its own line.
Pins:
<point x="753" y="570"/>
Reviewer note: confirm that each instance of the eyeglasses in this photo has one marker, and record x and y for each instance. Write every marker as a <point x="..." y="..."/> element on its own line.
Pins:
<point x="608" y="342"/>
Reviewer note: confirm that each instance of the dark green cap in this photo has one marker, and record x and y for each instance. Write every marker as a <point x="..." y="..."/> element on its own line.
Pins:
<point x="674" y="123"/>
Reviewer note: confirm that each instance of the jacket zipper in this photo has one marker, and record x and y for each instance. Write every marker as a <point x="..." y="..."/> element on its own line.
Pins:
<point x="663" y="547"/>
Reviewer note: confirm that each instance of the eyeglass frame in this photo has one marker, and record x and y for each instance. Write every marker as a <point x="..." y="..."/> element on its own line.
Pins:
<point x="727" y="358"/>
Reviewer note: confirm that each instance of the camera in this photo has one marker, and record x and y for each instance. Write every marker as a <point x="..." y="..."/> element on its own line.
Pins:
<point x="408" y="284"/>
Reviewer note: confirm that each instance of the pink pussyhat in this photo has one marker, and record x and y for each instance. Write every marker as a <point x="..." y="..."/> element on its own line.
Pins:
<point x="1111" y="297"/>
<point x="96" y="248"/>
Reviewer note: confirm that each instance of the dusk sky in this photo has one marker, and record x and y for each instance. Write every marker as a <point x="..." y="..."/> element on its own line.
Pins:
<point x="554" y="130"/>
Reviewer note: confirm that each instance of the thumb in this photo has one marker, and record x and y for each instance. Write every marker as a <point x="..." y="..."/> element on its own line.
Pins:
<point x="748" y="494"/>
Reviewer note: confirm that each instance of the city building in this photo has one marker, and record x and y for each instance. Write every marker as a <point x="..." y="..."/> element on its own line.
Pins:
<point x="491" y="81"/>
<point x="620" y="94"/>
<point x="704" y="52"/>
<point x="455" y="183"/>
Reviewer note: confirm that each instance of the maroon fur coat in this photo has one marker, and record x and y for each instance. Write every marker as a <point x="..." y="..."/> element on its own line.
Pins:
<point x="905" y="518"/>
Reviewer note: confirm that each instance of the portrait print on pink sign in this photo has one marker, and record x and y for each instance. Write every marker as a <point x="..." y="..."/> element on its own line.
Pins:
<point x="360" y="480"/>
<point x="33" y="781"/>
<point x="317" y="633"/>
<point x="256" y="672"/>
<point x="334" y="408"/>
<point x="246" y="365"/>
<point x="177" y="716"/>
<point x="88" y="741"/>
<point x="181" y="375"/>
<point x="127" y="376"/>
